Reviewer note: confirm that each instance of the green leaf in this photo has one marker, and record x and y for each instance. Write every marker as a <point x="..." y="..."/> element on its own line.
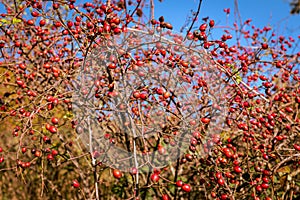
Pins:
<point x="68" y="115"/>
<point x="172" y="188"/>
<point x="184" y="179"/>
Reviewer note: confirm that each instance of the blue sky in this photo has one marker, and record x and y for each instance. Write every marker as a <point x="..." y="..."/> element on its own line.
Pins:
<point x="262" y="12"/>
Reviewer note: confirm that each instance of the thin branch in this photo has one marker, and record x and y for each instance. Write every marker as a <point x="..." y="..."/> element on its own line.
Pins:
<point x="284" y="161"/>
<point x="196" y="15"/>
<point x="151" y="10"/>
<point x="136" y="187"/>
<point x="93" y="159"/>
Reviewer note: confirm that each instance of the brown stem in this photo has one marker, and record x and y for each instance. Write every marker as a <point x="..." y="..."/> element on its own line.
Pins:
<point x="196" y="15"/>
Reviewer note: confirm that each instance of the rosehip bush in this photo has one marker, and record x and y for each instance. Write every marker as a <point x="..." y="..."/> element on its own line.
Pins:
<point x="80" y="81"/>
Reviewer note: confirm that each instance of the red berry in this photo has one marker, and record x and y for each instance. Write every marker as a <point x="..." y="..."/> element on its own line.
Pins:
<point x="38" y="154"/>
<point x="264" y="46"/>
<point x="205" y="120"/>
<point x="297" y="147"/>
<point x="117" y="173"/>
<point x="50" y="157"/>
<point x="265" y="156"/>
<point x="55" y="6"/>
<point x="258" y="188"/>
<point x="55" y="101"/>
<point x="221" y="181"/>
<point x="58" y="24"/>
<point x="42" y="22"/>
<point x="265" y="179"/>
<point x="90" y="25"/>
<point x="212" y="23"/>
<point x="34" y="14"/>
<point x="46" y="140"/>
<point x="50" y="98"/>
<point x="224" y="196"/>
<point x="203" y="27"/>
<point x="54" y="120"/>
<point x="106" y="28"/>
<point x="218" y="175"/>
<point x="75" y="184"/>
<point x="297" y="99"/>
<point x="179" y="183"/>
<point x="165" y="197"/>
<point x="143" y="96"/>
<point x="167" y="95"/>
<point x="160" y="91"/>
<point x="30" y="22"/>
<point x="227" y="152"/>
<point x="78" y="19"/>
<point x="112" y="66"/>
<point x="22" y="66"/>
<point x="136" y="94"/>
<point x="213" y="194"/>
<point x="134" y="171"/>
<point x="117" y="31"/>
<point x="52" y="129"/>
<point x="69" y="24"/>
<point x="54" y="152"/>
<point x="266" y="172"/>
<point x="27" y="164"/>
<point x="154" y="177"/>
<point x="1" y="159"/>
<point x="289" y="109"/>
<point x="265" y="185"/>
<point x="237" y="169"/>
<point x="186" y="188"/>
<point x="24" y="149"/>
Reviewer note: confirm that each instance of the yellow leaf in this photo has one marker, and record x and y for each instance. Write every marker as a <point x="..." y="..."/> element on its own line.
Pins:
<point x="285" y="169"/>
<point x="238" y="79"/>
<point x="4" y="21"/>
<point x="15" y="21"/>
<point x="225" y="135"/>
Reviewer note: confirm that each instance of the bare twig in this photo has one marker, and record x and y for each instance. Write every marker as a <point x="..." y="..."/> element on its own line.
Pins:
<point x="285" y="160"/>
<point x="152" y="10"/>
<point x="136" y="187"/>
<point x="93" y="159"/>
<point x="196" y="15"/>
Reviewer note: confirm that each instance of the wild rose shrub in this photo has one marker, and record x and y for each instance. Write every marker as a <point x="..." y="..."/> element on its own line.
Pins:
<point x="249" y="76"/>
